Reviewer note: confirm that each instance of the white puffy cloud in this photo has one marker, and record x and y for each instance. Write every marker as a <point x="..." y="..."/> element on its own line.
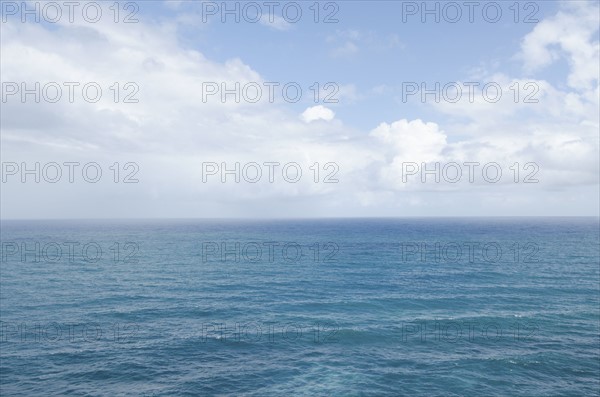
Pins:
<point x="412" y="140"/>
<point x="569" y="34"/>
<point x="559" y="129"/>
<point x="318" y="112"/>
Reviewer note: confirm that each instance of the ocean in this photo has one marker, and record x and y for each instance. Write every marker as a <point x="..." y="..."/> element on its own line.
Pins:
<point x="336" y="307"/>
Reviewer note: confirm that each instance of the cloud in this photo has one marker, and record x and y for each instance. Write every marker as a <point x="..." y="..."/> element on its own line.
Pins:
<point x="347" y="49"/>
<point x="411" y="140"/>
<point x="277" y="22"/>
<point x="173" y="4"/>
<point x="318" y="112"/>
<point x="569" y="34"/>
<point x="171" y="130"/>
<point x="349" y="42"/>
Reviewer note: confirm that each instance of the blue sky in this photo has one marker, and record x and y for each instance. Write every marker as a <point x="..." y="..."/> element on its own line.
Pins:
<point x="370" y="134"/>
<point x="387" y="51"/>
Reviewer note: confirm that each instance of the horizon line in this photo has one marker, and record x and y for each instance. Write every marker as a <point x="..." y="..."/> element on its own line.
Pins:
<point x="302" y="218"/>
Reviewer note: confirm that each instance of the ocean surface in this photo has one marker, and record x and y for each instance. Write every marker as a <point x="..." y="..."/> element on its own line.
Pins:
<point x="371" y="307"/>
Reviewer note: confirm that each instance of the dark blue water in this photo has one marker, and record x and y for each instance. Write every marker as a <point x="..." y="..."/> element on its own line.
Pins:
<point x="419" y="307"/>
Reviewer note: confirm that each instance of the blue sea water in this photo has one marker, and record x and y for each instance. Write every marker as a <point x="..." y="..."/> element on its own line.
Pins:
<point x="371" y="307"/>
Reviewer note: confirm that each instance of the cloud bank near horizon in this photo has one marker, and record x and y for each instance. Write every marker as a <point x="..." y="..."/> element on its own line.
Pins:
<point x="175" y="134"/>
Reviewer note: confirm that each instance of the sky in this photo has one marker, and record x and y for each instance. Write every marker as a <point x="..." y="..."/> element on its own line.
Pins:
<point x="307" y="109"/>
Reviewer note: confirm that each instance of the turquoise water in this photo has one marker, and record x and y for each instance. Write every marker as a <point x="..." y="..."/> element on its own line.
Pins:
<point x="319" y="308"/>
